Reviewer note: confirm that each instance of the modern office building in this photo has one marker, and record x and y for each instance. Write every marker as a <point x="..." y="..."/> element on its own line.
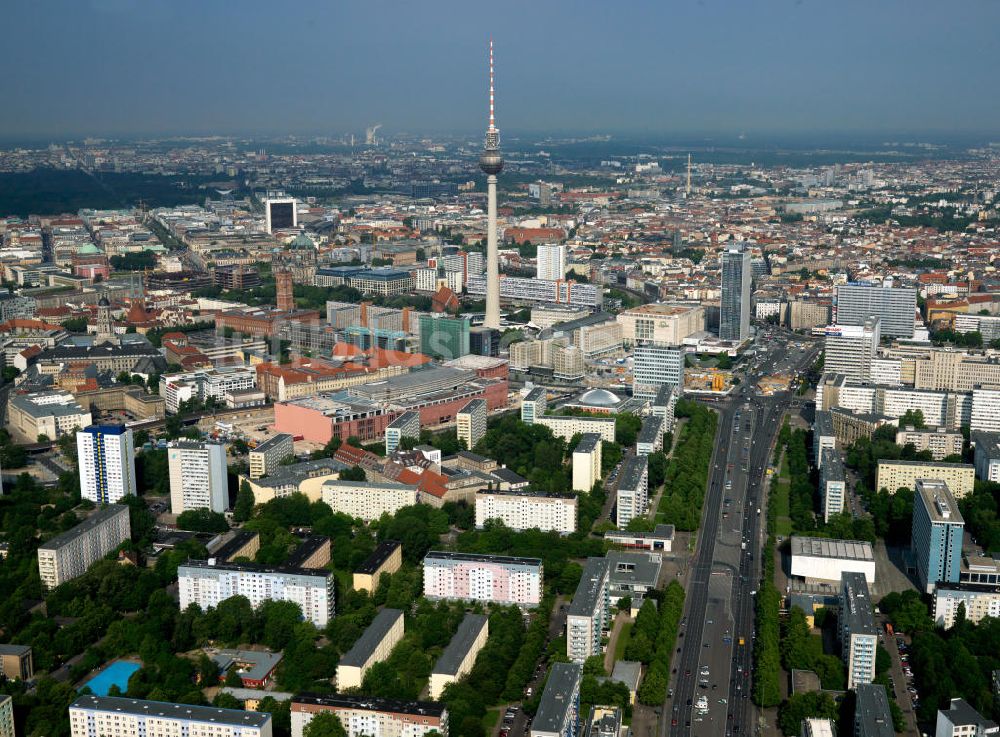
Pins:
<point x="106" y="458"/>
<point x="527" y="510"/>
<point x="280" y="213"/>
<point x="734" y="308"/>
<point x="832" y="483"/>
<point x="979" y="602"/>
<point x="207" y="583"/>
<point x="371" y="716"/>
<point x="93" y="716"/>
<point x="533" y="405"/>
<point x="492" y="579"/>
<point x="558" y="712"/>
<point x="655" y="365"/>
<point x="587" y="462"/>
<point x="198" y="476"/>
<point x="937" y="534"/>
<point x="961" y="720"/>
<point x="551" y="262"/>
<point x="895" y="307"/>
<point x="872" y="716"/>
<point x="633" y="490"/>
<point x="650" y="437"/>
<point x="939" y="441"/>
<point x="960" y="477"/>
<point x="987" y="455"/>
<point x="858" y="633"/>
<point x="470" y="422"/>
<point x="205" y="383"/>
<point x="589" y="612"/>
<point x="446" y="338"/>
<point x="632" y="574"/>
<point x="566" y="426"/>
<point x="17" y="662"/>
<point x="374" y="646"/>
<point x="522" y="290"/>
<point x="270" y="454"/>
<point x="368" y="500"/>
<point x="386" y="558"/>
<point x="850" y="349"/>
<point x="407" y="425"/>
<point x="460" y="655"/>
<point x="824" y="560"/>
<point x="70" y="554"/>
<point x="661" y="323"/>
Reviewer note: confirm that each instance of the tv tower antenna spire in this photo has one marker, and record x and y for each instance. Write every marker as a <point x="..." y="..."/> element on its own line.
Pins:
<point x="491" y="162"/>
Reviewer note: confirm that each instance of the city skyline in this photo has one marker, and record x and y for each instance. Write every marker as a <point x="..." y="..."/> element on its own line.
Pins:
<point x="706" y="67"/>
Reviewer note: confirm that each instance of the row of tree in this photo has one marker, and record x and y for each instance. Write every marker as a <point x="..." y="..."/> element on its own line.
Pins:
<point x="686" y="475"/>
<point x="653" y="690"/>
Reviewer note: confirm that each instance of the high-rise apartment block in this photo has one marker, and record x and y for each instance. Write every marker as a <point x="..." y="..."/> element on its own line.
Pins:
<point x="207" y="583"/>
<point x="566" y="426"/>
<point x="471" y="422"/>
<point x="961" y="720"/>
<point x="368" y="500"/>
<point x="558" y="712"/>
<point x="551" y="262"/>
<point x="527" y="510"/>
<point x="407" y="425"/>
<point x="960" y="477"/>
<point x="106" y="458"/>
<point x="650" y="437"/>
<point x="734" y="308"/>
<point x="268" y="456"/>
<point x="587" y="462"/>
<point x="90" y="716"/>
<point x="533" y="405"/>
<point x="937" y="534"/>
<point x="664" y="405"/>
<point x="198" y="476"/>
<point x="832" y="483"/>
<point x="824" y="435"/>
<point x="872" y="716"/>
<point x="70" y="554"/>
<point x="589" y="612"/>
<point x="979" y="602"/>
<point x="17" y="662"/>
<point x="896" y="307"/>
<point x="655" y="365"/>
<point x="493" y="579"/>
<point x="987" y="454"/>
<point x="633" y="490"/>
<point x="858" y="633"/>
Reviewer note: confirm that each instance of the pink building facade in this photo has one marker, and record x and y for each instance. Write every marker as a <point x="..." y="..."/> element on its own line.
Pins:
<point x="492" y="579"/>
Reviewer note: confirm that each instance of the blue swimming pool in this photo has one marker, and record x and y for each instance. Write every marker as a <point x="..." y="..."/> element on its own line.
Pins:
<point x="116" y="674"/>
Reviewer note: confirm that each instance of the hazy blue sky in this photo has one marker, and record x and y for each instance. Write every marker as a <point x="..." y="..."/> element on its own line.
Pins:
<point x="662" y="66"/>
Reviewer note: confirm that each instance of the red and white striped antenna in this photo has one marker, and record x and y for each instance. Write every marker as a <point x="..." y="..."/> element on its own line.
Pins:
<point x="492" y="122"/>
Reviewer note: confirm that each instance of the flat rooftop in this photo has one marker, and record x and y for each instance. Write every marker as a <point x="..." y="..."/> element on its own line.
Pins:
<point x="527" y="493"/>
<point x="595" y="571"/>
<point x="856" y="608"/>
<point x="475" y="558"/>
<point x="160" y="709"/>
<point x="98" y="518"/>
<point x="257" y="664"/>
<point x="627" y="568"/>
<point x="821" y="547"/>
<point x="305" y="549"/>
<point x="204" y="565"/>
<point x="823" y="427"/>
<point x="589" y="442"/>
<point x="272" y="442"/>
<point x="939" y="501"/>
<point x="374" y="634"/>
<point x="405" y="419"/>
<point x="632" y="472"/>
<point x="372" y="703"/>
<point x="871" y="712"/>
<point x="558" y="697"/>
<point x="661" y="309"/>
<point x="453" y="655"/>
<point x="660" y="532"/>
<point x="378" y="557"/>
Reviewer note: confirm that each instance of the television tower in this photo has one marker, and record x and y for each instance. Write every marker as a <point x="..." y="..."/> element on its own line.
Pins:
<point x="688" y="192"/>
<point x="491" y="162"/>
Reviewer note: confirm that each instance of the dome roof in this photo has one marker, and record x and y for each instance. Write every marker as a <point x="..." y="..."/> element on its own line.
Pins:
<point x="599" y="398"/>
<point x="302" y="241"/>
<point x="103" y="302"/>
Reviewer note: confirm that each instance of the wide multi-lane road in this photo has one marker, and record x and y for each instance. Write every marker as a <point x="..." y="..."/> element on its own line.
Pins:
<point x="719" y="610"/>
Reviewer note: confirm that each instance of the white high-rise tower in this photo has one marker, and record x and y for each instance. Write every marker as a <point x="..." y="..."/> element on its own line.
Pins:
<point x="491" y="162"/>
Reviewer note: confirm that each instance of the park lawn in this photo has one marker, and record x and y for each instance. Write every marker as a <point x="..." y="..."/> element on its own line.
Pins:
<point x="490" y="719"/>
<point x="622" y="642"/>
<point x="781" y="499"/>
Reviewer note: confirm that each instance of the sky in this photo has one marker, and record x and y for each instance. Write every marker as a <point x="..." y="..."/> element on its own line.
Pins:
<point x="656" y="67"/>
